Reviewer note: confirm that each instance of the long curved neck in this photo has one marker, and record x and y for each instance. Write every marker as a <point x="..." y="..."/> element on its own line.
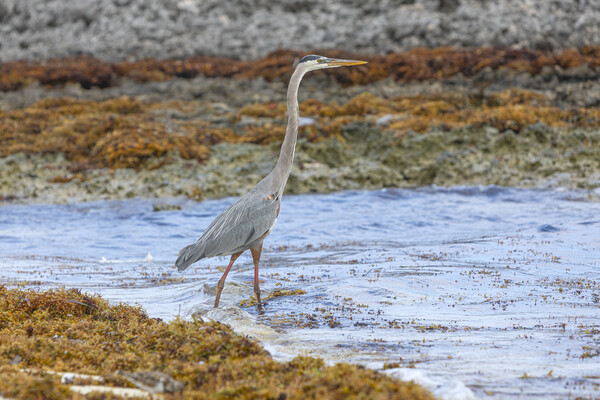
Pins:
<point x="286" y="156"/>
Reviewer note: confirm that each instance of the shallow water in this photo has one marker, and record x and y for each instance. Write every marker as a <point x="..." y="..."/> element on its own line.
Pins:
<point x="486" y="292"/>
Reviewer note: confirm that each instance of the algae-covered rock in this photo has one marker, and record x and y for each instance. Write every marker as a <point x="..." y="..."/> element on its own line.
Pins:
<point x="71" y="332"/>
<point x="65" y="150"/>
<point x="371" y="160"/>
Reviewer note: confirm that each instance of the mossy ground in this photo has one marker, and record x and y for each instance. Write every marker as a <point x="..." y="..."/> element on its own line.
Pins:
<point x="69" y="331"/>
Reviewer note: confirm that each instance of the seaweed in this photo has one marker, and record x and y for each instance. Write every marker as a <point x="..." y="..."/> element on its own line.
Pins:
<point x="70" y="331"/>
<point x="417" y="64"/>
<point x="117" y="133"/>
<point x="127" y="133"/>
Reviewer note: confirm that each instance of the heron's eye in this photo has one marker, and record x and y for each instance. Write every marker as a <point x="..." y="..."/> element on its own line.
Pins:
<point x="320" y="60"/>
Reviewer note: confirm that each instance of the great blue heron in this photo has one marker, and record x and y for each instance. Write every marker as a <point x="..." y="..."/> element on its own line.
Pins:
<point x="245" y="224"/>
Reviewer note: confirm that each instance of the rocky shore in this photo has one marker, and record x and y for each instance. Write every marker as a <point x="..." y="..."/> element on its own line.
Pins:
<point x="86" y="115"/>
<point x="368" y="158"/>
<point x="137" y="29"/>
<point x="213" y="137"/>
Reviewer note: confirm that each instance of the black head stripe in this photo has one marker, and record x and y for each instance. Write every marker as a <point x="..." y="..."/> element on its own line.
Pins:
<point x="309" y="58"/>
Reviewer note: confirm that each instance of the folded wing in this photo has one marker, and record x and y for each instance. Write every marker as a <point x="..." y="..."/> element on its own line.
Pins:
<point x="242" y="223"/>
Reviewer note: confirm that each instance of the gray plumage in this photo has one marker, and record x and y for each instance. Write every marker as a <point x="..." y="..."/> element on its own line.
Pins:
<point x="235" y="229"/>
<point x="245" y="224"/>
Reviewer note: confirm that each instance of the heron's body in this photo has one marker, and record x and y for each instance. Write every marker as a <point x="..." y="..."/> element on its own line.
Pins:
<point x="245" y="224"/>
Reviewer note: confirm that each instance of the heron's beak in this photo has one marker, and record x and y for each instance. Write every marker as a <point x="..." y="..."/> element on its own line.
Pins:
<point x="335" y="62"/>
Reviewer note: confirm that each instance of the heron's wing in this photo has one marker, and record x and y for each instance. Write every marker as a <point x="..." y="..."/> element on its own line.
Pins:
<point x="239" y="225"/>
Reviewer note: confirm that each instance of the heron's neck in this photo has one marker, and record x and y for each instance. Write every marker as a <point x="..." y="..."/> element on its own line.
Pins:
<point x="286" y="156"/>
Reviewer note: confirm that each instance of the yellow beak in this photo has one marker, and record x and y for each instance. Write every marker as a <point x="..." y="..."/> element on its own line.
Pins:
<point x="334" y="62"/>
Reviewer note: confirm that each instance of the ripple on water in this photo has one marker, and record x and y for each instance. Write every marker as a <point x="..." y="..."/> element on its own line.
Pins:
<point x="489" y="287"/>
<point x="548" y="228"/>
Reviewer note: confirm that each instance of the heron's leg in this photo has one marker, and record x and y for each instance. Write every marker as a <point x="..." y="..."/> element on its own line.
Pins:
<point x="256" y="258"/>
<point x="221" y="283"/>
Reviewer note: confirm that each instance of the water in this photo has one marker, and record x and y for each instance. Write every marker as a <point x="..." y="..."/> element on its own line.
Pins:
<point x="474" y="292"/>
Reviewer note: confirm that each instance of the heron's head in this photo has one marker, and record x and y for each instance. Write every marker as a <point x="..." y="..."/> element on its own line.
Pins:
<point x="313" y="62"/>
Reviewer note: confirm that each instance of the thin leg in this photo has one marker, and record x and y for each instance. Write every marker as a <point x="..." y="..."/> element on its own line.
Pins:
<point x="221" y="283"/>
<point x="256" y="258"/>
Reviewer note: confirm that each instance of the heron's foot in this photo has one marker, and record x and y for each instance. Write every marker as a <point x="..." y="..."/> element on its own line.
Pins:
<point x="257" y="295"/>
<point x="258" y="303"/>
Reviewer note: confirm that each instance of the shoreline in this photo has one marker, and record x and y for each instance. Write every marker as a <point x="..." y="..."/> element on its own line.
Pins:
<point x="521" y="123"/>
<point x="27" y="179"/>
<point x="64" y="343"/>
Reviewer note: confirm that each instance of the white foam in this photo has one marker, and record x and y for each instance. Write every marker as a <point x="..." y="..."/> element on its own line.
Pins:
<point x="148" y="258"/>
<point x="444" y="389"/>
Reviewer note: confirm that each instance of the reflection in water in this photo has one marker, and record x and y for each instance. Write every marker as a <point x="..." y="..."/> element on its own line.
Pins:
<point x="492" y="287"/>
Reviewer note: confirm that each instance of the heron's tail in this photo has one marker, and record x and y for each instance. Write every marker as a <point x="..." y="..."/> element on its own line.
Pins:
<point x="189" y="255"/>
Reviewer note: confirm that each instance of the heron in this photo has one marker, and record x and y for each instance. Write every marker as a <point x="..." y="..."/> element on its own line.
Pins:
<point x="245" y="224"/>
